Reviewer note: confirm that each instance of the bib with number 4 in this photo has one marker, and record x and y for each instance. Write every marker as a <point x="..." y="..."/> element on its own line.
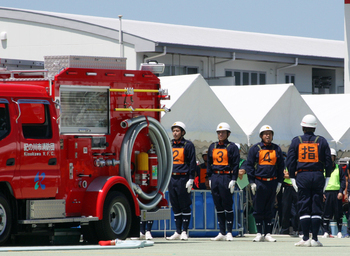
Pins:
<point x="267" y="157"/>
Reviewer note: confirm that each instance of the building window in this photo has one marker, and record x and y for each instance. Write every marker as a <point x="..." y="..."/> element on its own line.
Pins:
<point x="179" y="70"/>
<point x="290" y="78"/>
<point x="247" y="77"/>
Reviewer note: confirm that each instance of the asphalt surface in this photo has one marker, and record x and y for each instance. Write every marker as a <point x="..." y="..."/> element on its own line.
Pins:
<point x="240" y="246"/>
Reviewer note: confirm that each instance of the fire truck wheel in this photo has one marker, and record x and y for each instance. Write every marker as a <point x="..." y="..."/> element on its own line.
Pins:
<point x="116" y="222"/>
<point x="5" y="219"/>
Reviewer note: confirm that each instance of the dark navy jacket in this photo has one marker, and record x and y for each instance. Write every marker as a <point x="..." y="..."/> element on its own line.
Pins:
<point x="190" y="164"/>
<point x="233" y="159"/>
<point x="324" y="155"/>
<point x="253" y="168"/>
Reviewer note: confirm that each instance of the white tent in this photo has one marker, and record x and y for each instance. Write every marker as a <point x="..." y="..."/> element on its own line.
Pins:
<point x="193" y="102"/>
<point x="278" y="105"/>
<point x="329" y="110"/>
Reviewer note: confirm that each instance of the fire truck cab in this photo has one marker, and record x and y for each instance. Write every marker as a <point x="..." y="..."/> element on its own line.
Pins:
<point x="81" y="144"/>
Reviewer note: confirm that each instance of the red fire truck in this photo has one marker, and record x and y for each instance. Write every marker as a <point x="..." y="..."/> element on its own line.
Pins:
<point x="81" y="144"/>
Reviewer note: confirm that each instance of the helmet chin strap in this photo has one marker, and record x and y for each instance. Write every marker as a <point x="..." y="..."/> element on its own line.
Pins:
<point x="179" y="139"/>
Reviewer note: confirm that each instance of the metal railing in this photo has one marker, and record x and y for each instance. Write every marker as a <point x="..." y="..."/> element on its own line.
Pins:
<point x="204" y="217"/>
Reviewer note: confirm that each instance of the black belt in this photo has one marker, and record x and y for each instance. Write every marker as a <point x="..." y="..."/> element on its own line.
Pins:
<point x="265" y="179"/>
<point x="179" y="173"/>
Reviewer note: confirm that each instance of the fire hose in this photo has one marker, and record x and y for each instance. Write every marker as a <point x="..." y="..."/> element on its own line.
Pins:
<point x="163" y="148"/>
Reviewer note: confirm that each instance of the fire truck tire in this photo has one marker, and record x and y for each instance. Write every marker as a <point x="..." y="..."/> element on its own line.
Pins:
<point x="5" y="219"/>
<point x="117" y="219"/>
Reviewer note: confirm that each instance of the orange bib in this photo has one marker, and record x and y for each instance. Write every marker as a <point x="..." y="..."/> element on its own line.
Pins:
<point x="308" y="153"/>
<point x="267" y="157"/>
<point x="220" y="156"/>
<point x="178" y="156"/>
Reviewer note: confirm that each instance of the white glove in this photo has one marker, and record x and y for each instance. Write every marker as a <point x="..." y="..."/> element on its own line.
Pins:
<point x="294" y="184"/>
<point x="231" y="186"/>
<point x="279" y="185"/>
<point x="189" y="185"/>
<point x="326" y="184"/>
<point x="209" y="183"/>
<point x="253" y="188"/>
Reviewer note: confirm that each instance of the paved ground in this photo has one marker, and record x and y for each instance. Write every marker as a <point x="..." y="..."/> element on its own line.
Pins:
<point x="241" y="246"/>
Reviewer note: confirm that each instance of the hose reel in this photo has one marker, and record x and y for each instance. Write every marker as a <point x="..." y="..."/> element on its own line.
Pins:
<point x="163" y="148"/>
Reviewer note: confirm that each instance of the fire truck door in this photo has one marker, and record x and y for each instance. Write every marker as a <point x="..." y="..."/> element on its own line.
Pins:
<point x="39" y="149"/>
<point x="8" y="144"/>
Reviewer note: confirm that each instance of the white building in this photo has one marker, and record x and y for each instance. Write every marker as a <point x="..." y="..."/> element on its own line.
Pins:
<point x="222" y="57"/>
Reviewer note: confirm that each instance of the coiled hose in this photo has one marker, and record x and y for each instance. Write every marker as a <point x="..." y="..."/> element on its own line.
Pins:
<point x="163" y="148"/>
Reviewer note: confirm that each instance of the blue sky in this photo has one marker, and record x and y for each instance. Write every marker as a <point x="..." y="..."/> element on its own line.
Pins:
<point x="307" y="18"/>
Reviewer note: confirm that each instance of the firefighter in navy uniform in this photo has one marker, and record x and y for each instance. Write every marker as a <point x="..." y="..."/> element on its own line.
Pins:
<point x="333" y="205"/>
<point x="309" y="155"/>
<point x="289" y="208"/>
<point x="184" y="167"/>
<point x="222" y="170"/>
<point x="201" y="174"/>
<point x="265" y="165"/>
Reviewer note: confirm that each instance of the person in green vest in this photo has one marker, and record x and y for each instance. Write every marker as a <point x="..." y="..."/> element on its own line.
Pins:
<point x="333" y="196"/>
<point x="242" y="163"/>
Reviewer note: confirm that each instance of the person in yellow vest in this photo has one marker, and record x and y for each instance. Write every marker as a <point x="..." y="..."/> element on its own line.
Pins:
<point x="242" y="163"/>
<point x="333" y="198"/>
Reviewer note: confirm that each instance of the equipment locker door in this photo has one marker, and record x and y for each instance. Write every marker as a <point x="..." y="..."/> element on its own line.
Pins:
<point x="39" y="149"/>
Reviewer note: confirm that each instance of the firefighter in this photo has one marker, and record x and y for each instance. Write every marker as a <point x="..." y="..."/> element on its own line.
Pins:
<point x="145" y="230"/>
<point x="242" y="163"/>
<point x="334" y="198"/>
<point x="289" y="205"/>
<point x="184" y="167"/>
<point x="309" y="155"/>
<point x="265" y="165"/>
<point x="201" y="177"/>
<point x="222" y="170"/>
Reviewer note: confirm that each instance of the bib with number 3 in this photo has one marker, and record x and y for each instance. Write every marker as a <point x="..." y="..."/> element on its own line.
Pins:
<point x="220" y="156"/>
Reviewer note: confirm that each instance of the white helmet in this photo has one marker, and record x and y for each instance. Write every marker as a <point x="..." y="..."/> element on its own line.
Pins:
<point x="179" y="124"/>
<point x="223" y="127"/>
<point x="333" y="152"/>
<point x="238" y="146"/>
<point x="309" y="121"/>
<point x="205" y="152"/>
<point x="265" y="128"/>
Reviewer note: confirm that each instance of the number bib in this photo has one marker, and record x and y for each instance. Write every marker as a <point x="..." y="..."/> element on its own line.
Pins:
<point x="220" y="156"/>
<point x="178" y="156"/>
<point x="308" y="153"/>
<point x="267" y="157"/>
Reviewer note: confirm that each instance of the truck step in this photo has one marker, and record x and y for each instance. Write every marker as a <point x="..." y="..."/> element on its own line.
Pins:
<point x="61" y="220"/>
